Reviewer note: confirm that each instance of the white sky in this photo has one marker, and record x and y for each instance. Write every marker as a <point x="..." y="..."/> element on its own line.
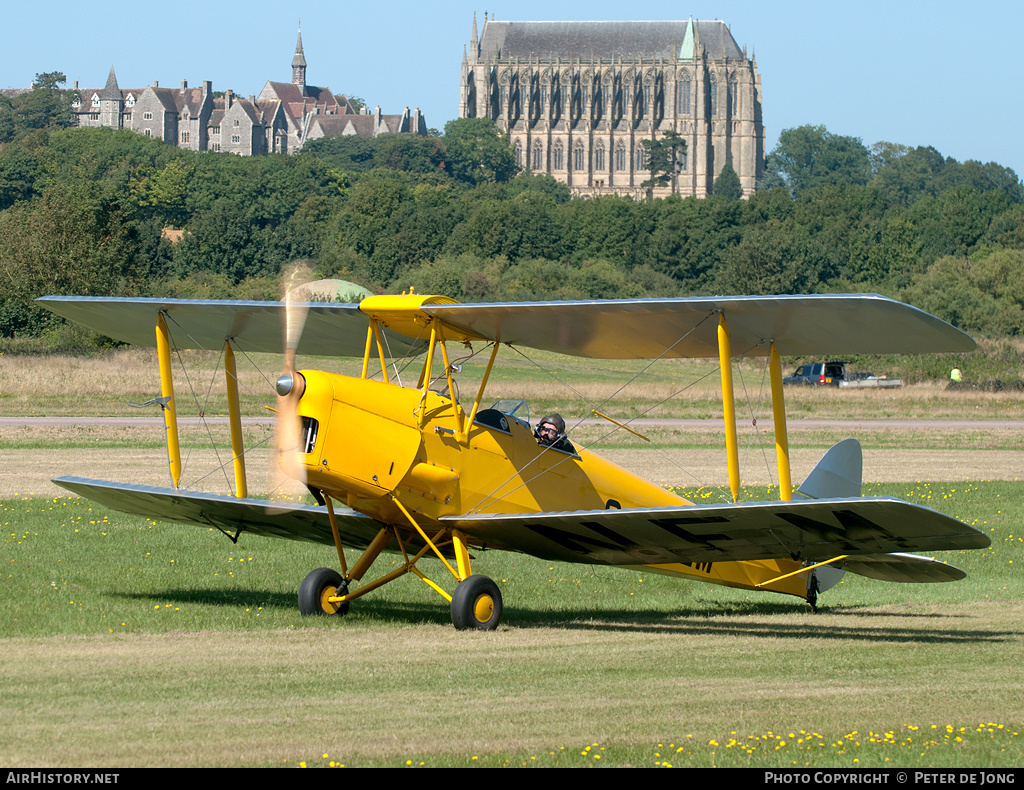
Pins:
<point x="939" y="73"/>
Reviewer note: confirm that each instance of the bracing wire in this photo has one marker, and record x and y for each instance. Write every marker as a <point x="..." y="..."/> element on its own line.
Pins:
<point x="492" y="495"/>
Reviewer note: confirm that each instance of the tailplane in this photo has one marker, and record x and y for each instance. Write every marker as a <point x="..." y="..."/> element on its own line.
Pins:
<point x="839" y="475"/>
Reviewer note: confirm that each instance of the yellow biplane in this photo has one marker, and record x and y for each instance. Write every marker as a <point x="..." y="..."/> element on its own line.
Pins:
<point x="402" y="466"/>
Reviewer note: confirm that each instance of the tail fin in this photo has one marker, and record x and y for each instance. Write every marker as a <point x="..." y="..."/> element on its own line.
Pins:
<point x="839" y="473"/>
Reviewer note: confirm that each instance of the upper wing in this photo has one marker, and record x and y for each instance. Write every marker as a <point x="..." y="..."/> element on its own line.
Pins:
<point x="649" y="328"/>
<point x="332" y="329"/>
<point x="603" y="329"/>
<point x="811" y="530"/>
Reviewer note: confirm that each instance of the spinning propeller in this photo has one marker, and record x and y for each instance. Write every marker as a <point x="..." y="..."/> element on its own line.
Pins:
<point x="290" y="385"/>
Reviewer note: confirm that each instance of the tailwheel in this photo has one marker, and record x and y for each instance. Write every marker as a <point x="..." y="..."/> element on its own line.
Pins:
<point x="476" y="604"/>
<point x="317" y="589"/>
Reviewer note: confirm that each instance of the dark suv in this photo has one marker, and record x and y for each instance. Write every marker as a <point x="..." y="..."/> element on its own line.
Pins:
<point x="818" y="374"/>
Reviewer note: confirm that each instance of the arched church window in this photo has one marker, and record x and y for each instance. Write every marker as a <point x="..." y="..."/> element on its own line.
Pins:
<point x="578" y="157"/>
<point x="538" y="156"/>
<point x="658" y="108"/>
<point x="713" y="95"/>
<point x="556" y="99"/>
<point x="599" y="158"/>
<point x="596" y="95"/>
<point x="557" y="161"/>
<point x="620" y="157"/>
<point x="683" y="95"/>
<point x="641" y="157"/>
<point x="519" y="153"/>
<point x="734" y="98"/>
<point x="515" y="109"/>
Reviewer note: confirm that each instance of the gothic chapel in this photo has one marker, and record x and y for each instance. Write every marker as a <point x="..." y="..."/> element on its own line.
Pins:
<point x="577" y="99"/>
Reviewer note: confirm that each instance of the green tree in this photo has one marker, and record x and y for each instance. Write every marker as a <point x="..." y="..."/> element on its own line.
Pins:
<point x="605" y="227"/>
<point x="983" y="293"/>
<point x="347" y="152"/>
<point x="525" y="226"/>
<point x="357" y="102"/>
<point x="411" y="153"/>
<point x="478" y="152"/>
<point x="7" y="120"/>
<point x="768" y="260"/>
<point x="74" y="239"/>
<point x="664" y="159"/>
<point x="905" y="174"/>
<point x="541" y="183"/>
<point x="727" y="184"/>
<point x="166" y="192"/>
<point x="811" y="156"/>
<point x="46" y="106"/>
<point x="18" y="173"/>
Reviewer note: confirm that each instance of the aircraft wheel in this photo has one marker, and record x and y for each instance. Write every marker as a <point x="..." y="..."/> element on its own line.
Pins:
<point x="317" y="587"/>
<point x="476" y="604"/>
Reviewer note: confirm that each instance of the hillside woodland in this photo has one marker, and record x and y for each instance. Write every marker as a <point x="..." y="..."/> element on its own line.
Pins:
<point x="99" y="211"/>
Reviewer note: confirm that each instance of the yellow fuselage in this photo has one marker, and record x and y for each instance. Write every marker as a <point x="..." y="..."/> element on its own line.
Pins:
<point x="376" y="440"/>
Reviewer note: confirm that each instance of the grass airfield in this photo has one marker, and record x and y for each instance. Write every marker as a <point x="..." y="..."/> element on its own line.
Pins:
<point x="125" y="642"/>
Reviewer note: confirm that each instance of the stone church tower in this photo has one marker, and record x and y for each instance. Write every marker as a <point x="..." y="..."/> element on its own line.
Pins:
<point x="577" y="100"/>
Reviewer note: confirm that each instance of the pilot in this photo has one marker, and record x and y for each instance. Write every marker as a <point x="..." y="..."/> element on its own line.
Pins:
<point x="550" y="431"/>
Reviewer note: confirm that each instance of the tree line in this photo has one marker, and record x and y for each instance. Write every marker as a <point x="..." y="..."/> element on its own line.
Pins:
<point x="87" y="211"/>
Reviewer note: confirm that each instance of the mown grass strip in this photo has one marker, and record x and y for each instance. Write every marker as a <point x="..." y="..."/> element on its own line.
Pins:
<point x="176" y="647"/>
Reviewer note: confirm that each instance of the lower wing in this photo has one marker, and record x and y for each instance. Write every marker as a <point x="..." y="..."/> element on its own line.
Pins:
<point x="811" y="530"/>
<point x="290" y="521"/>
<point x="874" y="533"/>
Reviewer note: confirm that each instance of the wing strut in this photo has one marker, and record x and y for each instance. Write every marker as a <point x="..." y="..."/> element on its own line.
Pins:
<point x="728" y="406"/>
<point x="801" y="570"/>
<point x="163" y="351"/>
<point x="729" y="415"/>
<point x="467" y="424"/>
<point x="170" y="412"/>
<point x="235" y="421"/>
<point x="781" y="434"/>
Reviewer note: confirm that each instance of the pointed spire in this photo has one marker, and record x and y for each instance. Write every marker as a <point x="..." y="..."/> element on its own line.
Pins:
<point x="686" y="49"/>
<point x="475" y="39"/>
<point x="111" y="91"/>
<point x="299" y="63"/>
<point x="300" y="58"/>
